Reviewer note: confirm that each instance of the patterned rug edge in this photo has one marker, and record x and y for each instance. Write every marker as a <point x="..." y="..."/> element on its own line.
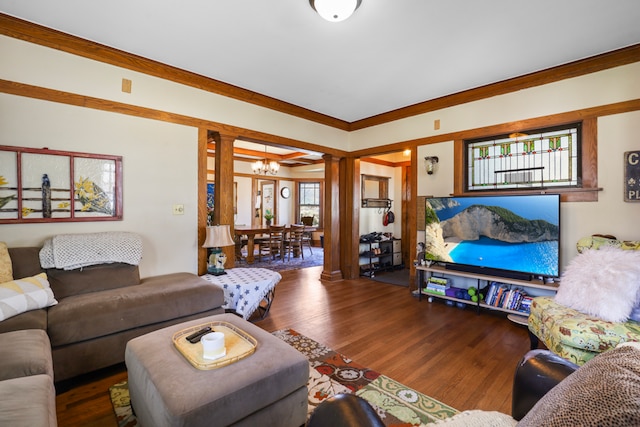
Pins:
<point x="332" y="373"/>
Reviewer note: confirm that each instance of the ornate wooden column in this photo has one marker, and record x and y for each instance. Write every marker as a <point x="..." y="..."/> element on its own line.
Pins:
<point x="350" y="229"/>
<point x="410" y="218"/>
<point x="223" y="204"/>
<point x="202" y="199"/>
<point x="332" y="255"/>
<point x="223" y="198"/>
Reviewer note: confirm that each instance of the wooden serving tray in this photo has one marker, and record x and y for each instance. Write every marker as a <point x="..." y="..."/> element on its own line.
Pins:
<point x="238" y="343"/>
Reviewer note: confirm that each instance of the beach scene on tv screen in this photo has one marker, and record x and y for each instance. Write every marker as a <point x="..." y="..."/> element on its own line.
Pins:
<point x="516" y="233"/>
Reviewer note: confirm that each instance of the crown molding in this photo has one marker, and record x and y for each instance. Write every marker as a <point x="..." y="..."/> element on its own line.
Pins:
<point x="38" y="34"/>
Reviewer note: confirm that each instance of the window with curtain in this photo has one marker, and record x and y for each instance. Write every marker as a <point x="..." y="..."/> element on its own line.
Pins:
<point x="309" y="201"/>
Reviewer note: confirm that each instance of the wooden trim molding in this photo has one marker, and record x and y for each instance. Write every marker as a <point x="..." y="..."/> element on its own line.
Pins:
<point x="503" y="128"/>
<point x="616" y="58"/>
<point x="37" y="92"/>
<point x="38" y="34"/>
<point x="589" y="147"/>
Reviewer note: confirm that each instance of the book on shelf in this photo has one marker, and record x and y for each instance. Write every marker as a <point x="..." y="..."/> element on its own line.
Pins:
<point x="437" y="285"/>
<point x="507" y="297"/>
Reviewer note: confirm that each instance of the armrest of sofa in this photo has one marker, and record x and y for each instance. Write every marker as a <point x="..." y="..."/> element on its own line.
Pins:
<point x="537" y="373"/>
<point x="345" y="410"/>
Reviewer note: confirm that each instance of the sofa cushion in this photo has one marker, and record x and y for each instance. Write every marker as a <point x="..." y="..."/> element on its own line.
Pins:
<point x="19" y="296"/>
<point x="95" y="278"/>
<point x="34" y="319"/>
<point x="156" y="299"/>
<point x="28" y="401"/>
<point x="25" y="261"/>
<point x="603" y="392"/>
<point x="6" y="270"/>
<point x="25" y="353"/>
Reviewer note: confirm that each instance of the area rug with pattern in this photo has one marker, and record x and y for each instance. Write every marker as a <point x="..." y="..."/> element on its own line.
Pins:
<point x="294" y="263"/>
<point x="332" y="373"/>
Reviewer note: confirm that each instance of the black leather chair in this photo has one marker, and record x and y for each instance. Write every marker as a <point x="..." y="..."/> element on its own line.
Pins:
<point x="344" y="410"/>
<point x="537" y="373"/>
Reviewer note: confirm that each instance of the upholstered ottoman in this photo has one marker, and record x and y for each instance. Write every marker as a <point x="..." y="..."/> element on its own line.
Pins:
<point x="266" y="388"/>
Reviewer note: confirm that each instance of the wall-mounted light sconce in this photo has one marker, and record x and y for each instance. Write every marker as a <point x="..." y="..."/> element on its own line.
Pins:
<point x="430" y="164"/>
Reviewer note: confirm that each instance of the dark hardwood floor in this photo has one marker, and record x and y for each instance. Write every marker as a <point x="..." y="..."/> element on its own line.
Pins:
<point x="459" y="357"/>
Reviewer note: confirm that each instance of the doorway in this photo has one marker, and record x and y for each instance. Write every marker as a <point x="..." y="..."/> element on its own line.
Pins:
<point x="267" y="203"/>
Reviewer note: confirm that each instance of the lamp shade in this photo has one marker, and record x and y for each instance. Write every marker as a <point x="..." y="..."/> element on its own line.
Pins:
<point x="217" y="237"/>
<point x="335" y="10"/>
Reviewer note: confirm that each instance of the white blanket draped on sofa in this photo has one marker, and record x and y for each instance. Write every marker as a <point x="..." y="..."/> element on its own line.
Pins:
<point x="71" y="251"/>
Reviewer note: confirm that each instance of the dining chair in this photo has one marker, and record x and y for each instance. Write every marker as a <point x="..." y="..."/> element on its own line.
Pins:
<point x="293" y="241"/>
<point x="274" y="244"/>
<point x="240" y="241"/>
<point x="307" y="234"/>
<point x="307" y="238"/>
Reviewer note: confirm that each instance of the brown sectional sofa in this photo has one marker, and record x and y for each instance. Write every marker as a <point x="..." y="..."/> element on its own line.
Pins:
<point x="102" y="307"/>
<point x="27" y="393"/>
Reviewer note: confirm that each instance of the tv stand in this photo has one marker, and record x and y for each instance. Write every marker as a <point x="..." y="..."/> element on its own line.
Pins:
<point x="489" y="272"/>
<point x="483" y="281"/>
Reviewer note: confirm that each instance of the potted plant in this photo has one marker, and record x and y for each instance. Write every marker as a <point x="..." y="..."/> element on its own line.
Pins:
<point x="268" y="216"/>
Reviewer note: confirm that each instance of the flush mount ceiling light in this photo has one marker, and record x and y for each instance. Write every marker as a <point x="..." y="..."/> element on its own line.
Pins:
<point x="335" y="10"/>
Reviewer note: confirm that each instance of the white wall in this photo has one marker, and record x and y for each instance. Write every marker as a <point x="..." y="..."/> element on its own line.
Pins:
<point x="609" y="215"/>
<point x="601" y="88"/>
<point x="155" y="179"/>
<point x="246" y="206"/>
<point x="158" y="172"/>
<point x="286" y="209"/>
<point x="371" y="218"/>
<point x="50" y="68"/>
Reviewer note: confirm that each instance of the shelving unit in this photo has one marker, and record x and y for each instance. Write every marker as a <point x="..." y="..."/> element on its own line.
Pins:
<point x="368" y="258"/>
<point x="380" y="256"/>
<point x="483" y="282"/>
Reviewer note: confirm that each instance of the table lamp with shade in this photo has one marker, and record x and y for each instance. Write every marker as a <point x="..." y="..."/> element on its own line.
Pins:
<point x="218" y="236"/>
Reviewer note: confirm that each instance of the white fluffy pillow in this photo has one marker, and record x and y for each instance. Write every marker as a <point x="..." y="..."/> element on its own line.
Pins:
<point x="603" y="283"/>
<point x="31" y="293"/>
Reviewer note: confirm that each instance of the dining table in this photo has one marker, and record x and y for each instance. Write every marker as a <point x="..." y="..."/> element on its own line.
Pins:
<point x="252" y="232"/>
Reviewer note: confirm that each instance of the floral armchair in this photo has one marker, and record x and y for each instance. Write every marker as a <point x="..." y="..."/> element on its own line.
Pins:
<point x="597" y="303"/>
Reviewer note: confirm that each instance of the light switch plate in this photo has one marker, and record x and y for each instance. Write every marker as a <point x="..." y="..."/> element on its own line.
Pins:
<point x="178" y="209"/>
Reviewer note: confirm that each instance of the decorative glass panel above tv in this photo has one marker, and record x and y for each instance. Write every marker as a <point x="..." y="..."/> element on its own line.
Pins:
<point x="542" y="158"/>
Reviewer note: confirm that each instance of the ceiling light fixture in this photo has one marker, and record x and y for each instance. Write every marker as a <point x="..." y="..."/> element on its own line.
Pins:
<point x="335" y="10"/>
<point x="263" y="167"/>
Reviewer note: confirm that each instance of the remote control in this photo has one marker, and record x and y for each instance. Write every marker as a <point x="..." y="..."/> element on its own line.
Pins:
<point x="195" y="337"/>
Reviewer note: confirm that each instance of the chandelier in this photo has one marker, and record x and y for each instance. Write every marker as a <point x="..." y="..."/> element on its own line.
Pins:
<point x="263" y="167"/>
<point x="335" y="10"/>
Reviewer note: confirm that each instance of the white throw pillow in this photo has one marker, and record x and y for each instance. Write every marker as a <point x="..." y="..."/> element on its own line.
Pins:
<point x="30" y="293"/>
<point x="476" y="418"/>
<point x="603" y="283"/>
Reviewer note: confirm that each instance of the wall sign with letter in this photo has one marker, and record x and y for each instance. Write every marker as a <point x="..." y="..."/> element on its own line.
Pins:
<point x="632" y="176"/>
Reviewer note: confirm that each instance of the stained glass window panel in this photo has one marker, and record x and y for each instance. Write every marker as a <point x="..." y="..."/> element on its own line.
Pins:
<point x="539" y="159"/>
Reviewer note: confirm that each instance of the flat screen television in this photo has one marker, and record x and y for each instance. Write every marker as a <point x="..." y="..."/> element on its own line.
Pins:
<point x="516" y="236"/>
